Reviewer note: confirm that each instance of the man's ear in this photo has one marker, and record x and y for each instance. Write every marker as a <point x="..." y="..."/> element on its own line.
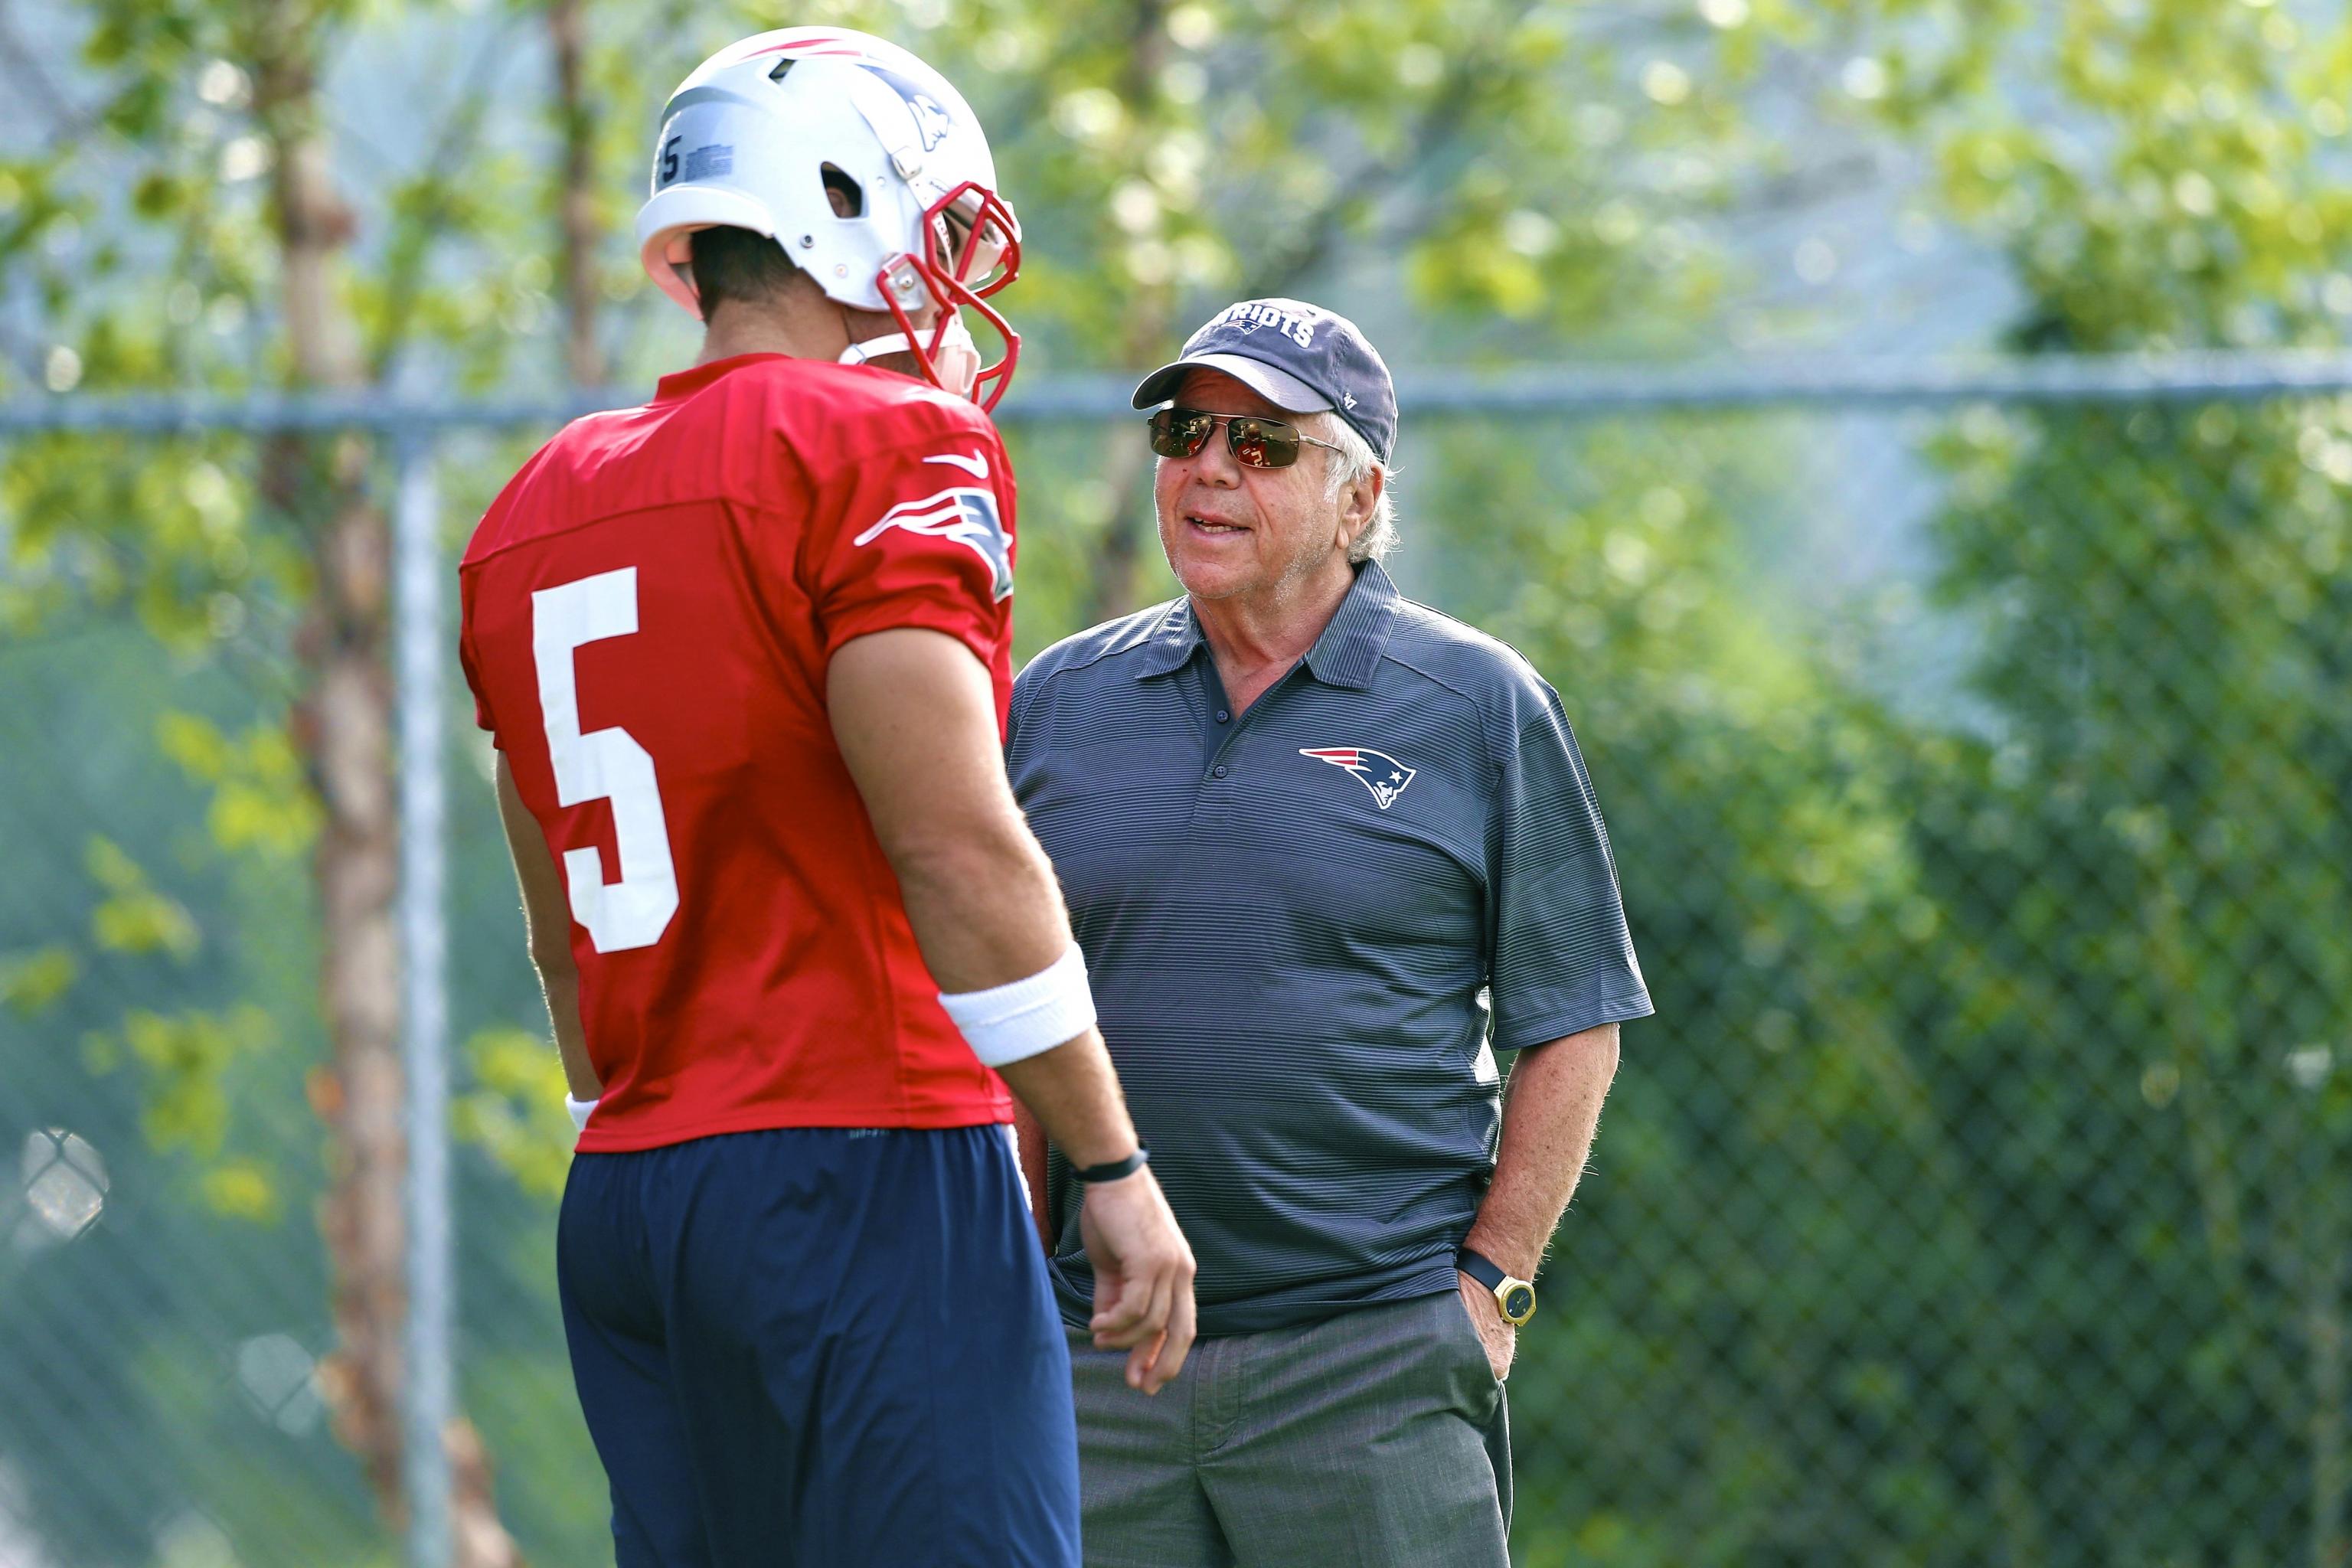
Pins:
<point x="1358" y="502"/>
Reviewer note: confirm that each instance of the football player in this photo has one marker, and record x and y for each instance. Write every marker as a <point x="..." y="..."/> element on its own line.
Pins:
<point x="745" y="653"/>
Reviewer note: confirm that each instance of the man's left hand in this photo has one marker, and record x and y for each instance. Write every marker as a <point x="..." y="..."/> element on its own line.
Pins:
<point x="1501" y="1340"/>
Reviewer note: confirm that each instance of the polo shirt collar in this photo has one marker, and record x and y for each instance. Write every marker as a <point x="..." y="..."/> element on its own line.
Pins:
<point x="1347" y="654"/>
<point x="1349" y="651"/>
<point x="1171" y="642"/>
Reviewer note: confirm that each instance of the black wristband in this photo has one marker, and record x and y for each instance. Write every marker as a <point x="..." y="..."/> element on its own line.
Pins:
<point x="1480" y="1267"/>
<point x="1117" y="1169"/>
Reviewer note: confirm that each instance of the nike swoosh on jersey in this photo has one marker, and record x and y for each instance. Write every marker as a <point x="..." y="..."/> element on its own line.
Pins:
<point x="976" y="465"/>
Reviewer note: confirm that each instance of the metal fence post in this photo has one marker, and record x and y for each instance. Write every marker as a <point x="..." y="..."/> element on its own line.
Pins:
<point x="425" y="997"/>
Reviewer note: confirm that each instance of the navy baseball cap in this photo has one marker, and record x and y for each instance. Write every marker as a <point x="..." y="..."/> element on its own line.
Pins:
<point x="1299" y="357"/>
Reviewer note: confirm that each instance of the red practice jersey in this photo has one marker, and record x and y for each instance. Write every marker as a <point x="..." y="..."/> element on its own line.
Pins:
<point x="649" y="608"/>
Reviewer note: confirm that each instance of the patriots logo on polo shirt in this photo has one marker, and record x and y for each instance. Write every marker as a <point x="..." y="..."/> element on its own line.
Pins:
<point x="1381" y="773"/>
<point x="966" y="516"/>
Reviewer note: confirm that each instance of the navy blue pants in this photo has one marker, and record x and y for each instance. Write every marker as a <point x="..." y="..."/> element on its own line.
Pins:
<point x="819" y="1347"/>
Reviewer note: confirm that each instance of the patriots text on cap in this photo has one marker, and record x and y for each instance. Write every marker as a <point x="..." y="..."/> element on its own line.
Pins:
<point x="1299" y="357"/>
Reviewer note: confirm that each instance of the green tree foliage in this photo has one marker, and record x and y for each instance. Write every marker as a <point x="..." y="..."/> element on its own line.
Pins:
<point x="2162" y="605"/>
<point x="1979" y="1193"/>
<point x="515" y="1112"/>
<point x="2141" y="853"/>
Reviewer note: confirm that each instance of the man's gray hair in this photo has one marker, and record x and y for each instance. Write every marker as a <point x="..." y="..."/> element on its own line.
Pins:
<point x="1354" y="461"/>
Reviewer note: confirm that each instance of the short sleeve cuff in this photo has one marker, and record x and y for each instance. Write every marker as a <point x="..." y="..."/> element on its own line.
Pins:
<point x="934" y="613"/>
<point x="1544" y="1018"/>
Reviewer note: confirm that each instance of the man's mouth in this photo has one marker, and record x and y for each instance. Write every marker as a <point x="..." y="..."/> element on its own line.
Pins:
<point x="1212" y="527"/>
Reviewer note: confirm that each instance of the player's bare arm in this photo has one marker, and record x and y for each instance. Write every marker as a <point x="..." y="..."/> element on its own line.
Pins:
<point x="547" y="925"/>
<point x="1551" y="1109"/>
<point x="914" y="715"/>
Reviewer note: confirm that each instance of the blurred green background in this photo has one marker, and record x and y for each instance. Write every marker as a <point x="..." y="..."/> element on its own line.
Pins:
<point x="1981" y="1193"/>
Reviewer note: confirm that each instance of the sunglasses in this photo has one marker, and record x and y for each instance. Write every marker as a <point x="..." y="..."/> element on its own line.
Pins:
<point x="1254" y="443"/>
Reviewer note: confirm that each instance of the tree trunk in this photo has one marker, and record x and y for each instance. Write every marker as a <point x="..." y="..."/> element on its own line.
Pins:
<point x="576" y="201"/>
<point x="343" y="725"/>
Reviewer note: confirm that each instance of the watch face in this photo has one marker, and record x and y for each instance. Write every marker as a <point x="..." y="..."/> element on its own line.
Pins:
<point x="1519" y="1303"/>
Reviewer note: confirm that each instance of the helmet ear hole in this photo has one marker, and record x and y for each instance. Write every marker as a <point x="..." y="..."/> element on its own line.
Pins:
<point x="848" y="198"/>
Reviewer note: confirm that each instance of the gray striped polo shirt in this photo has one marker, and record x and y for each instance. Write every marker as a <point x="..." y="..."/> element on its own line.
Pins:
<point x="1310" y="928"/>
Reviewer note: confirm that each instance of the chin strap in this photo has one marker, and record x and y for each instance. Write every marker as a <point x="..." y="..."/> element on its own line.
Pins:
<point x="955" y="346"/>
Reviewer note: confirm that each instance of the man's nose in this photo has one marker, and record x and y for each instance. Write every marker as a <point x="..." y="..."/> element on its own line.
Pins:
<point x="1214" y="463"/>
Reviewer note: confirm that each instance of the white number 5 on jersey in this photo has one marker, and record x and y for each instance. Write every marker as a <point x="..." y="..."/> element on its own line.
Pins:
<point x="607" y="764"/>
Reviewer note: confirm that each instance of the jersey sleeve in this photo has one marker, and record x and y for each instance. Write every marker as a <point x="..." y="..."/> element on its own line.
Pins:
<point x="919" y="534"/>
<point x="1562" y="958"/>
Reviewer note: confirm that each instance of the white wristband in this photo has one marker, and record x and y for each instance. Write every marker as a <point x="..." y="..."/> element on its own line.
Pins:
<point x="1011" y="1022"/>
<point x="579" y="1110"/>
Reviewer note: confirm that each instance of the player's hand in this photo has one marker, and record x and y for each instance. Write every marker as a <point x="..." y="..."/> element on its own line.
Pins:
<point x="1143" y="1277"/>
<point x="1494" y="1331"/>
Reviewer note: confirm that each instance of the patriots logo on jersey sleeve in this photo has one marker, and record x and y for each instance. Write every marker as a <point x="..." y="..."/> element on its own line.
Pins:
<point x="1381" y="773"/>
<point x="967" y="516"/>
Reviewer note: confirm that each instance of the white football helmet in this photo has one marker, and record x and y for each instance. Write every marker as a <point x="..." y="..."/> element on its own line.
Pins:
<point x="751" y="138"/>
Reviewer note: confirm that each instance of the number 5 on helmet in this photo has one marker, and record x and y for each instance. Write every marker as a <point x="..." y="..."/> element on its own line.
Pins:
<point x="753" y="139"/>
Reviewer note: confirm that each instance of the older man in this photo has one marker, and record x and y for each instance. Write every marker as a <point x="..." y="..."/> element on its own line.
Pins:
<point x="1327" y="852"/>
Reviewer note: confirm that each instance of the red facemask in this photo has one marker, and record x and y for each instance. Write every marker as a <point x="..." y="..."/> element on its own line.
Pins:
<point x="971" y="249"/>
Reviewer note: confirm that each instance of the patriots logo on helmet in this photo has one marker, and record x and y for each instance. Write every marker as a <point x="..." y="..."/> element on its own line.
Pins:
<point x="967" y="516"/>
<point x="1381" y="773"/>
<point x="932" y="121"/>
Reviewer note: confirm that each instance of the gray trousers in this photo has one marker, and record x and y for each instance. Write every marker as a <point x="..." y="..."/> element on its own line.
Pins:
<point x="1373" y="1438"/>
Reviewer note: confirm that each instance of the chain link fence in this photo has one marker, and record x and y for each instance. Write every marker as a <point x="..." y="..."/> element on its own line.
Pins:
<point x="1974" y="748"/>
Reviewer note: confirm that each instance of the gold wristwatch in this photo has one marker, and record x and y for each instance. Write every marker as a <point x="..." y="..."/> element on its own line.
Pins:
<point x="1514" y="1296"/>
